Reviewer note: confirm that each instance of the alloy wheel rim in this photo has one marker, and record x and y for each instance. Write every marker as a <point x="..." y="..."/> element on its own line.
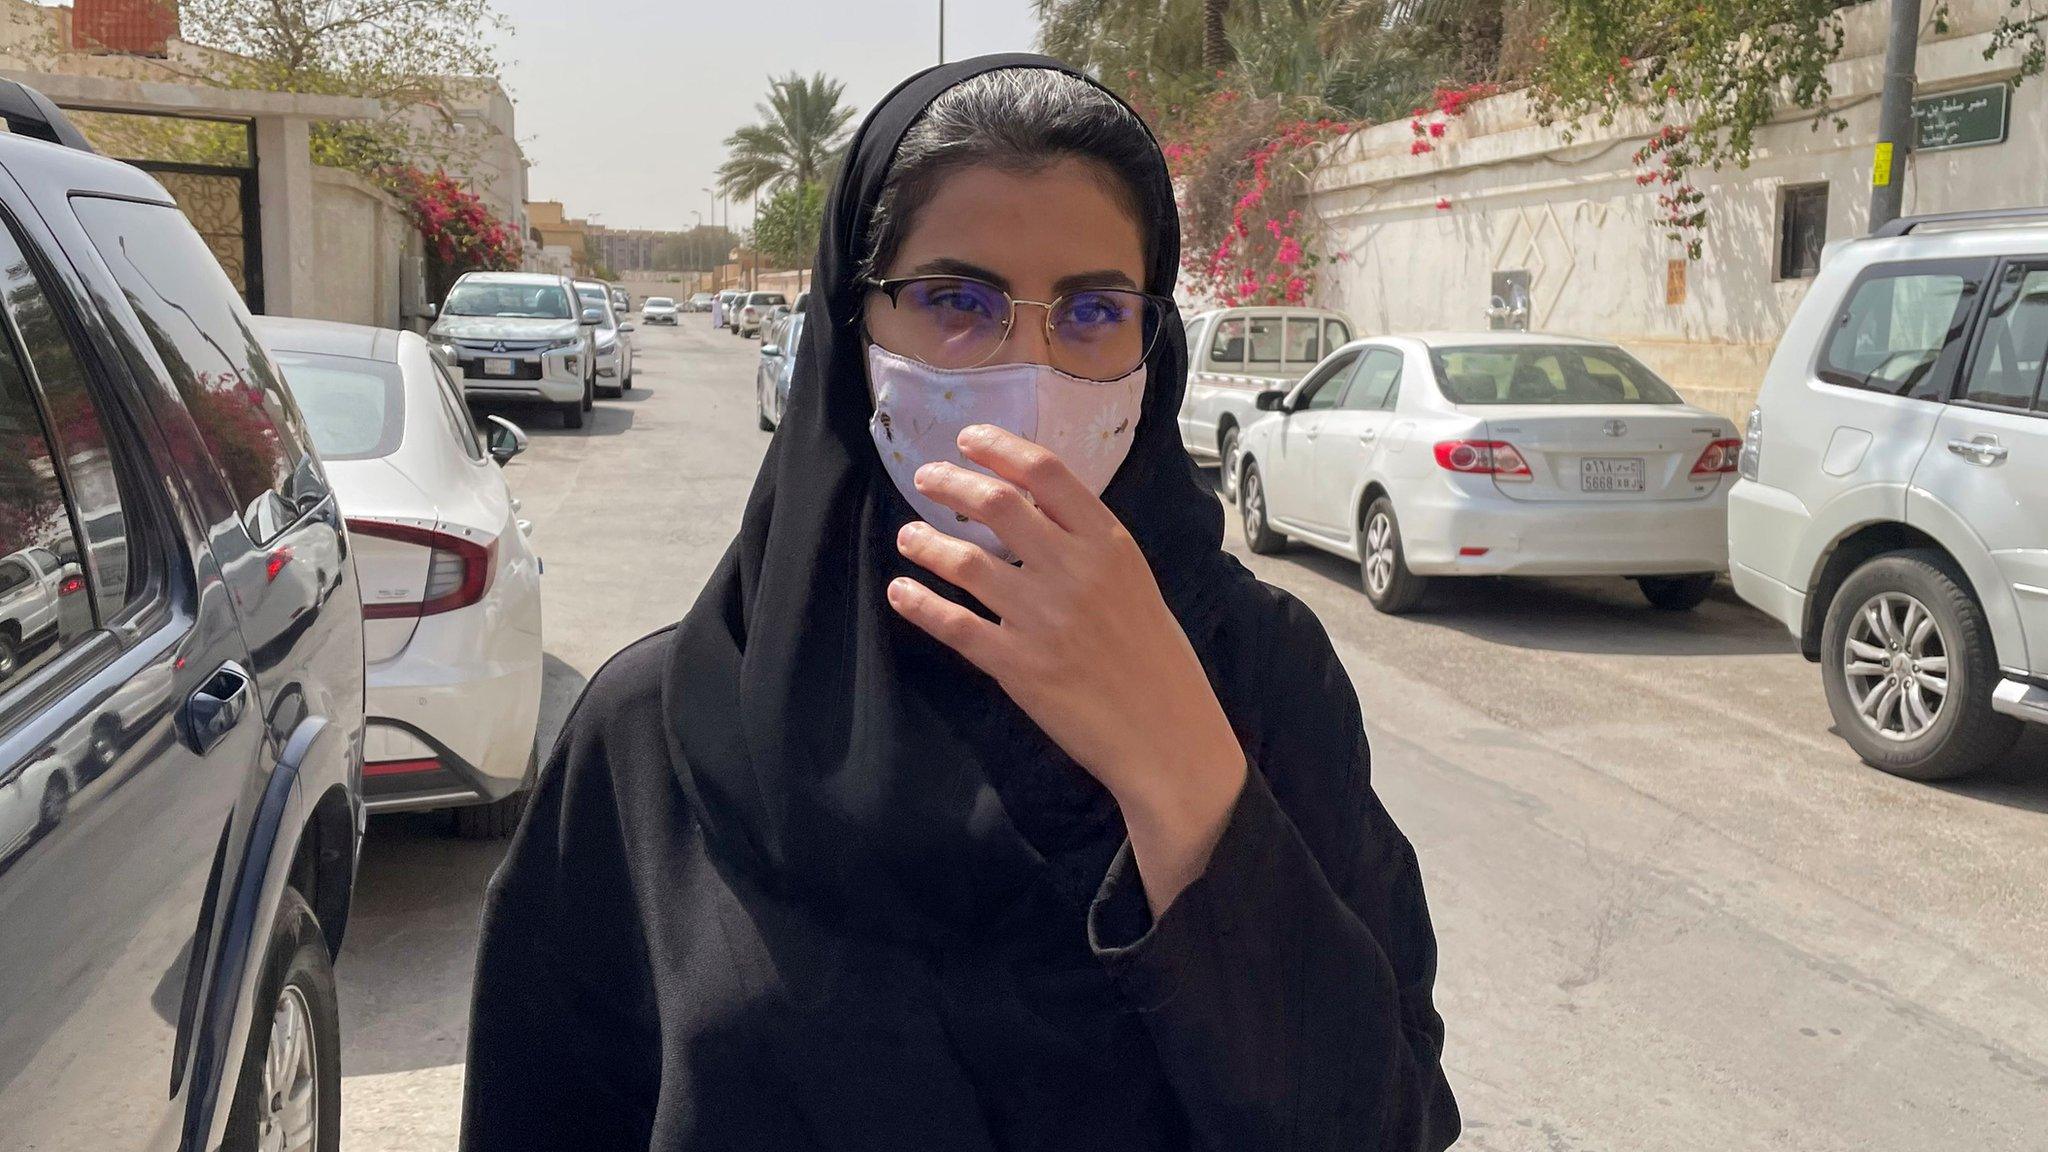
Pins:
<point x="1254" y="506"/>
<point x="7" y="659"/>
<point x="1895" y="662"/>
<point x="288" y="1117"/>
<point x="1379" y="553"/>
<point x="1230" y="459"/>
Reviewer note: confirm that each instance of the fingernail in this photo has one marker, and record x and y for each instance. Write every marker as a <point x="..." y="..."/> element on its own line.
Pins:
<point x="926" y="474"/>
<point x="909" y="532"/>
<point x="898" y="589"/>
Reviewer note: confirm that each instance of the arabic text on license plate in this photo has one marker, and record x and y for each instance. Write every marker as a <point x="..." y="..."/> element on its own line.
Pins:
<point x="494" y="366"/>
<point x="1611" y="475"/>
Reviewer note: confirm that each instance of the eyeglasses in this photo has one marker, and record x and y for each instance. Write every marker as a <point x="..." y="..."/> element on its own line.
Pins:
<point x="953" y="322"/>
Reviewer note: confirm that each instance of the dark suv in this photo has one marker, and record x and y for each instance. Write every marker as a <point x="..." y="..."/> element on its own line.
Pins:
<point x="181" y="738"/>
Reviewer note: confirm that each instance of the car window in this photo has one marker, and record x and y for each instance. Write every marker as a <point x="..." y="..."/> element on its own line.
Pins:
<point x="1336" y="334"/>
<point x="767" y="298"/>
<point x="1304" y="340"/>
<point x="2012" y="343"/>
<point x="355" y="408"/>
<point x="1373" y="383"/>
<point x="40" y="613"/>
<point x="1546" y="374"/>
<point x="484" y="298"/>
<point x="1197" y="330"/>
<point x="201" y="331"/>
<point x="1891" y="335"/>
<point x="86" y="456"/>
<point x="1264" y="334"/>
<point x="466" y="434"/>
<point x="1325" y="390"/>
<point x="1228" y="347"/>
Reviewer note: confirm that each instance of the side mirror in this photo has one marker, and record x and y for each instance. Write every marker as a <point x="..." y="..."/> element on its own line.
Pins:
<point x="625" y="326"/>
<point x="505" y="440"/>
<point x="1274" y="401"/>
<point x="593" y="316"/>
<point x="430" y="310"/>
<point x="770" y="350"/>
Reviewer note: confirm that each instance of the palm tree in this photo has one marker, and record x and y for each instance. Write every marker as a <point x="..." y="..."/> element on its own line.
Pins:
<point x="799" y="141"/>
<point x="1216" y="50"/>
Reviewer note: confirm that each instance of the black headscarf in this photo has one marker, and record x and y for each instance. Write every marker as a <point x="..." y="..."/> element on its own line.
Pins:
<point x="832" y="751"/>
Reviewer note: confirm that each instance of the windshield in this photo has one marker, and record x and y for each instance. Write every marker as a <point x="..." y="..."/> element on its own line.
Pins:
<point x="483" y="298"/>
<point x="767" y="298"/>
<point x="659" y="302"/>
<point x="355" y="408"/>
<point x="1546" y="374"/>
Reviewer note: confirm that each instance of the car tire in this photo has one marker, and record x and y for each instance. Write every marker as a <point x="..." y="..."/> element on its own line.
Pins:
<point x="10" y="655"/>
<point x="611" y="392"/>
<point x="296" y="1010"/>
<point x="572" y="413"/>
<point x="590" y="392"/>
<point x="1383" y="562"/>
<point x="761" y="414"/>
<point x="1259" y="535"/>
<point x="56" y="801"/>
<point x="493" y="821"/>
<point x="1964" y="733"/>
<point x="1676" y="593"/>
<point x="1227" y="454"/>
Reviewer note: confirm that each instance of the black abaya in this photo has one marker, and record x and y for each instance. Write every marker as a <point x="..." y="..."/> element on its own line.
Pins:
<point x="796" y="877"/>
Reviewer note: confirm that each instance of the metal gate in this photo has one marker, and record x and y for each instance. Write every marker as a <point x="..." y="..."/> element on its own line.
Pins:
<point x="221" y="203"/>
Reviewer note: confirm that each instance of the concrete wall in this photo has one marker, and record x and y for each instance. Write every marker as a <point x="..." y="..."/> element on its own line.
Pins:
<point x="1573" y="216"/>
<point x="367" y="253"/>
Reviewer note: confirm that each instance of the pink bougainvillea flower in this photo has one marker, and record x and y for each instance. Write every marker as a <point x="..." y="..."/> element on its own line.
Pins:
<point x="1419" y="147"/>
<point x="1443" y="203"/>
<point x="1437" y="128"/>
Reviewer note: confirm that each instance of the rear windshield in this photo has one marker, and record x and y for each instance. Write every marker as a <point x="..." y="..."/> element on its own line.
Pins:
<point x="592" y="293"/>
<point x="354" y="408"/>
<point x="658" y="302"/>
<point x="767" y="298"/>
<point x="539" y="301"/>
<point x="1546" y="374"/>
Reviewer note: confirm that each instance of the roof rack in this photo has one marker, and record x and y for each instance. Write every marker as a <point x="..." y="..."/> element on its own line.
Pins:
<point x="1906" y="224"/>
<point x="30" y="113"/>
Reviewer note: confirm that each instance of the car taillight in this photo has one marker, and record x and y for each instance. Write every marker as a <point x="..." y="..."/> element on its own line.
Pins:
<point x="458" y="570"/>
<point x="71" y="586"/>
<point x="1719" y="459"/>
<point x="1496" y="458"/>
<point x="1752" y="458"/>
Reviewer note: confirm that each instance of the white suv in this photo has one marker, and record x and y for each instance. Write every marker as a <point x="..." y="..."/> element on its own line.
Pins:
<point x="1893" y="511"/>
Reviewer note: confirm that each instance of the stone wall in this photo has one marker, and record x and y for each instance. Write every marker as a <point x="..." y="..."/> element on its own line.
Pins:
<point x="367" y="253"/>
<point x="1572" y="216"/>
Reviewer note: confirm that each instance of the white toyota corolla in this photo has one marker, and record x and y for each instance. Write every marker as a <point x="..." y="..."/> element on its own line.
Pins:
<point x="450" y="585"/>
<point x="1492" y="454"/>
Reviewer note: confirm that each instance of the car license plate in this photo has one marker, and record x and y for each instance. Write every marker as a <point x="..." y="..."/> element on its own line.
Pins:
<point x="494" y="366"/>
<point x="1611" y="474"/>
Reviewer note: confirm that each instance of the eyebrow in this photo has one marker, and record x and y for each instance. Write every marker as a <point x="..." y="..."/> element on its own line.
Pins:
<point x="1100" y="278"/>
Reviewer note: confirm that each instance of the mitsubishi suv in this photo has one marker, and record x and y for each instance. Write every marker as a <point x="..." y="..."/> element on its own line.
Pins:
<point x="522" y="336"/>
<point x="1893" y="505"/>
<point x="181" y="732"/>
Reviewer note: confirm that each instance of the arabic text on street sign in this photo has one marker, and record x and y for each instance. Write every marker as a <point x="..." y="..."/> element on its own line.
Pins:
<point x="1961" y="119"/>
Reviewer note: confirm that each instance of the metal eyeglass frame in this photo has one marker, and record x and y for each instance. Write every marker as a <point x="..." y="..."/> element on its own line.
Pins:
<point x="891" y="287"/>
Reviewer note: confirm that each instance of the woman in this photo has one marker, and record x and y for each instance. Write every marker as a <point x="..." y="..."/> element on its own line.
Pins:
<point x="893" y="844"/>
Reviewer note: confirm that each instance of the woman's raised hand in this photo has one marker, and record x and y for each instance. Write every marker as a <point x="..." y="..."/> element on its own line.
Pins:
<point x="1084" y="643"/>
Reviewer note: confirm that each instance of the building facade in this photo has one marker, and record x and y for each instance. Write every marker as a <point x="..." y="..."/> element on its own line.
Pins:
<point x="1507" y="224"/>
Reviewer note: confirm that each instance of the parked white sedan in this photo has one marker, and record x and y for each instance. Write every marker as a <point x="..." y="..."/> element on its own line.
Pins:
<point x="1492" y="454"/>
<point x="450" y="585"/>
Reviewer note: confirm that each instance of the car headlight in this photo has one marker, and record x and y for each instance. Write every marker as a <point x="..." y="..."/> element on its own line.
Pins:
<point x="607" y="343"/>
<point x="566" y="344"/>
<point x="447" y="349"/>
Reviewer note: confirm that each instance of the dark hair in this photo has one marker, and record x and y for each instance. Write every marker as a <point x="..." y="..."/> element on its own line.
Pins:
<point x="1020" y="119"/>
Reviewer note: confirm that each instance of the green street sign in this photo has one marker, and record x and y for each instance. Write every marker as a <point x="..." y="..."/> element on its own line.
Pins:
<point x="1961" y="119"/>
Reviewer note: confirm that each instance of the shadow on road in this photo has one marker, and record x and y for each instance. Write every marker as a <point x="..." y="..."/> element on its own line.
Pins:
<point x="536" y="421"/>
<point x="2019" y="781"/>
<point x="1595" y="616"/>
<point x="406" y="965"/>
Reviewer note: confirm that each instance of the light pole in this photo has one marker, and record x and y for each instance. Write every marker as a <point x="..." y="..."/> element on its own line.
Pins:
<point x="942" y="31"/>
<point x="1895" y="115"/>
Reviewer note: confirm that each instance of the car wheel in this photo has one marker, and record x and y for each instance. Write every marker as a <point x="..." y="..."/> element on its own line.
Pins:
<point x="1259" y="535"/>
<point x="590" y="392"/>
<point x="1908" y="664"/>
<point x="1383" y="565"/>
<point x="10" y="655"/>
<point x="1676" y="593"/>
<point x="1230" y="459"/>
<point x="288" y="1097"/>
<point x="761" y="414"/>
<point x="612" y="392"/>
<point x="493" y="821"/>
<point x="572" y="413"/>
<point x="56" y="802"/>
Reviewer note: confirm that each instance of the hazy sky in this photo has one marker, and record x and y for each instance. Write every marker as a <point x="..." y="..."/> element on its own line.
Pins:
<point x="623" y="107"/>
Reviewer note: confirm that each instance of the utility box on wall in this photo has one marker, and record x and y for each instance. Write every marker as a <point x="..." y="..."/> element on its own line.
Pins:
<point x="124" y="27"/>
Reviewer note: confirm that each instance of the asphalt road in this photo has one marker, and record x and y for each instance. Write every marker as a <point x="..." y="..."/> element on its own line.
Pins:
<point x="1674" y="911"/>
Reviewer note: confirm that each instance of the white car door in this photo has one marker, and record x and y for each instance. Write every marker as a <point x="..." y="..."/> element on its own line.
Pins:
<point x="1189" y="427"/>
<point x="1989" y="459"/>
<point x="1290" y="472"/>
<point x="1351" y="436"/>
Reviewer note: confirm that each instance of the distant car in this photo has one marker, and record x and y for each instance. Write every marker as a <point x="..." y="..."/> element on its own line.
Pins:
<point x="622" y="301"/>
<point x="1492" y="454"/>
<point x="658" y="310"/>
<point x="753" y="311"/>
<point x="725" y="307"/>
<point x="614" y="339"/>
<point x="1233" y="355"/>
<point x="180" y="758"/>
<point x="701" y="302"/>
<point x="34" y="584"/>
<point x="776" y="369"/>
<point x="452" y="612"/>
<point x="1893" y="506"/>
<point x="521" y="336"/>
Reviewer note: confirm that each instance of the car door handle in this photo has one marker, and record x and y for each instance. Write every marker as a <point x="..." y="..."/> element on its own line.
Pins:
<point x="215" y="707"/>
<point x="1368" y="436"/>
<point x="1983" y="450"/>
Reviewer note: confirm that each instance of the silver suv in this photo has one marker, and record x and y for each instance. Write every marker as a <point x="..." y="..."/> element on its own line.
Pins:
<point x="1893" y="506"/>
<point x="522" y="336"/>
